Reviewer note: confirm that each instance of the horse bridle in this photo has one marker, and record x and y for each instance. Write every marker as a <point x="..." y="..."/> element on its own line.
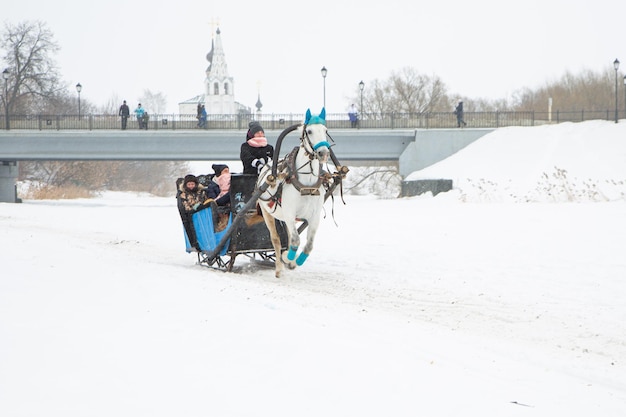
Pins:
<point x="311" y="149"/>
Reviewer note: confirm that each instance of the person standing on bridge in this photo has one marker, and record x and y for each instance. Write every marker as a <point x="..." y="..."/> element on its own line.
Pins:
<point x="458" y="110"/>
<point x="255" y="151"/>
<point x="202" y="118"/>
<point x="353" y="115"/>
<point x="139" y="113"/>
<point x="124" y="114"/>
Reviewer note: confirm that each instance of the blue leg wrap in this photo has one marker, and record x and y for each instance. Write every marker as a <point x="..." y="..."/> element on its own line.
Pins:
<point x="291" y="255"/>
<point x="301" y="258"/>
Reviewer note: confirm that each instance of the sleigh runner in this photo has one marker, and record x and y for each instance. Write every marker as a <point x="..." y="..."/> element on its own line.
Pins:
<point x="223" y="233"/>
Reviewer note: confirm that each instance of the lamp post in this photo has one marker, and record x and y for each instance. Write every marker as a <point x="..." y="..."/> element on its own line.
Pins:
<point x="361" y="87"/>
<point x="5" y="75"/>
<point x="324" y="72"/>
<point x="79" y="88"/>
<point x="616" y="66"/>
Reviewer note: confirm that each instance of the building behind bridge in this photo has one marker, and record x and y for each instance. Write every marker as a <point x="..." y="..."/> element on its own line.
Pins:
<point x="219" y="87"/>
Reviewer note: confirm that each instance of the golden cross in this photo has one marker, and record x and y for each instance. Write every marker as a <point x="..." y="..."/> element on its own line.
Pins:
<point x="214" y="22"/>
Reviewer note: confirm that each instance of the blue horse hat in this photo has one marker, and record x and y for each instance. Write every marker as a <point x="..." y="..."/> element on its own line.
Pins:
<point x="315" y="119"/>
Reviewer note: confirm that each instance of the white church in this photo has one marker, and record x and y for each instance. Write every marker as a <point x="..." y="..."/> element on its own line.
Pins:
<point x="219" y="87"/>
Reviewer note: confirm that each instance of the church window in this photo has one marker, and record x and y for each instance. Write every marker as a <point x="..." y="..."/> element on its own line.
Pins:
<point x="216" y="89"/>
<point x="226" y="88"/>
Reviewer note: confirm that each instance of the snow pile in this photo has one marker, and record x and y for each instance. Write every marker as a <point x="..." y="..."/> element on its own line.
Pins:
<point x="564" y="162"/>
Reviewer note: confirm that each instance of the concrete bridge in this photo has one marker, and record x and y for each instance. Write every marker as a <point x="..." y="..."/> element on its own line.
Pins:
<point x="408" y="149"/>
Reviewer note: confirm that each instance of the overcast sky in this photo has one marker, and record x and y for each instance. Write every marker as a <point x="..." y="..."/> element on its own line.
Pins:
<point x="479" y="48"/>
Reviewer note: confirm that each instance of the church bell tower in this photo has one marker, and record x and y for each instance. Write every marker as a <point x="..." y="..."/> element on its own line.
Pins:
<point x="219" y="87"/>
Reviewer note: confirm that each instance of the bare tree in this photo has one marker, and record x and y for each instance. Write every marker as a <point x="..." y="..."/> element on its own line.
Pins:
<point x="156" y="177"/>
<point x="587" y="90"/>
<point x="153" y="102"/>
<point x="377" y="100"/>
<point x="406" y="91"/>
<point x="383" y="181"/>
<point x="112" y="106"/>
<point x="416" y="93"/>
<point x="34" y="82"/>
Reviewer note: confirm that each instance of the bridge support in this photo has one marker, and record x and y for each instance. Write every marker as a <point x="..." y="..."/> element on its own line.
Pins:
<point x="8" y="181"/>
<point x="417" y="187"/>
<point x="430" y="147"/>
<point x="434" y="145"/>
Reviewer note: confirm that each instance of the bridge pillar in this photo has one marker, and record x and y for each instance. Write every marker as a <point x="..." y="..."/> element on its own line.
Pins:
<point x="430" y="147"/>
<point x="8" y="180"/>
<point x="433" y="145"/>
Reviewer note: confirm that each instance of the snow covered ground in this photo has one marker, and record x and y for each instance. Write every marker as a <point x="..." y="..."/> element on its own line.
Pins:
<point x="470" y="303"/>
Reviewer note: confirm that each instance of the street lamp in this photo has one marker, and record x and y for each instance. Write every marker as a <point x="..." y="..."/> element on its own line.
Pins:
<point x="5" y="75"/>
<point x="361" y="87"/>
<point x="616" y="66"/>
<point x="78" y="88"/>
<point x="324" y="72"/>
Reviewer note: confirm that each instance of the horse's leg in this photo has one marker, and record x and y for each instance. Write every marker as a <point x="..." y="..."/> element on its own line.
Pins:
<point x="294" y="241"/>
<point x="275" y="238"/>
<point x="288" y="215"/>
<point x="310" y="238"/>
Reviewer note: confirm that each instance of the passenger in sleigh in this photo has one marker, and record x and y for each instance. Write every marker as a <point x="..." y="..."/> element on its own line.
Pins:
<point x="192" y="197"/>
<point x="222" y="180"/>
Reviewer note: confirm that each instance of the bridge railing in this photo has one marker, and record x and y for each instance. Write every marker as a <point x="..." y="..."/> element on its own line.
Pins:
<point x="429" y="120"/>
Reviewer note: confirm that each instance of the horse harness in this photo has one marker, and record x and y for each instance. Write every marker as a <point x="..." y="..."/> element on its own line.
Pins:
<point x="288" y="171"/>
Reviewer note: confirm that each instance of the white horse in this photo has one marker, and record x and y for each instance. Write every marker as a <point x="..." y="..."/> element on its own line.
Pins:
<point x="296" y="192"/>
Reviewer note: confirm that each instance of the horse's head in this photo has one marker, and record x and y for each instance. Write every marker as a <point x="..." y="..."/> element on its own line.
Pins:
<point x="314" y="135"/>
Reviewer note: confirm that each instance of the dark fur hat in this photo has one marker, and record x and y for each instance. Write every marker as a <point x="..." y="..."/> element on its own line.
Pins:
<point x="190" y="177"/>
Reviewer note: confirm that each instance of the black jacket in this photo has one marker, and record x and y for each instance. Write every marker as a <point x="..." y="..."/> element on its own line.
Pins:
<point x="124" y="110"/>
<point x="254" y="159"/>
